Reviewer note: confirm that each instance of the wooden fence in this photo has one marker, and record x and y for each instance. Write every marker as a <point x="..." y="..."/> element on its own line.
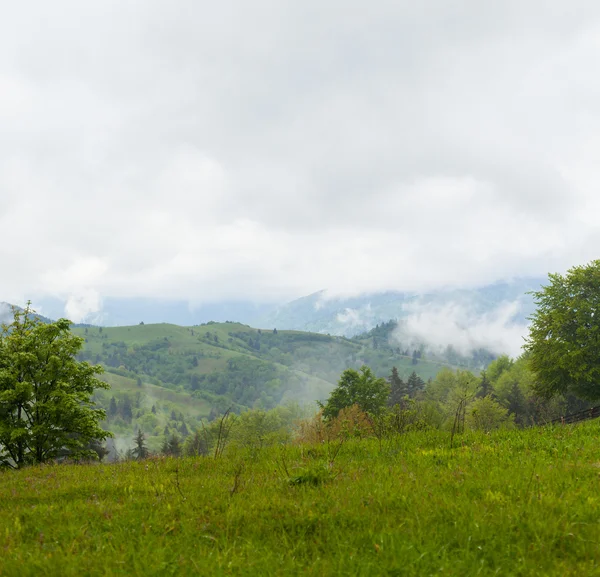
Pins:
<point x="584" y="415"/>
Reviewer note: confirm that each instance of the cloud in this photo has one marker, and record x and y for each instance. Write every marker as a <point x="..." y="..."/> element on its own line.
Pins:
<point x="84" y="306"/>
<point x="462" y="327"/>
<point x="235" y="151"/>
<point x="358" y="320"/>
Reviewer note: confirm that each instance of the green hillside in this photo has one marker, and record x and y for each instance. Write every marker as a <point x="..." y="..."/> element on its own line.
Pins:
<point x="165" y="377"/>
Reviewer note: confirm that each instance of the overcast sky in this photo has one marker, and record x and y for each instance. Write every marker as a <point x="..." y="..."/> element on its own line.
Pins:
<point x="268" y="149"/>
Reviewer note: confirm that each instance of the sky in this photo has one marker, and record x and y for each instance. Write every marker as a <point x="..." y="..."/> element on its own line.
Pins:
<point x="232" y="150"/>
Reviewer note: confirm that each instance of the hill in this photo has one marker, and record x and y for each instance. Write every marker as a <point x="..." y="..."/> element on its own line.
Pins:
<point x="208" y="368"/>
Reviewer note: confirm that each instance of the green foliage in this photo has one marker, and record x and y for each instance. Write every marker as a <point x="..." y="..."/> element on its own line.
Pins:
<point x="46" y="409"/>
<point x="360" y="388"/>
<point x="486" y="414"/>
<point x="564" y="339"/>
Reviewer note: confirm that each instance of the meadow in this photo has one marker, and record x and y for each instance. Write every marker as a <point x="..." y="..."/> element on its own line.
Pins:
<point x="511" y="502"/>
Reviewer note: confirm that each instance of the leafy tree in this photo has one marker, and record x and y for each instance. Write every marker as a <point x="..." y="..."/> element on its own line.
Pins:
<point x="486" y="414"/>
<point x="563" y="346"/>
<point x="497" y="367"/>
<point x="360" y="388"/>
<point x="45" y="394"/>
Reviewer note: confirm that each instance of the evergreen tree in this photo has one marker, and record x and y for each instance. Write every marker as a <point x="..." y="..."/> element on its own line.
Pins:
<point x="195" y="445"/>
<point x="398" y="389"/>
<point x="174" y="446"/>
<point x="164" y="449"/>
<point x="126" y="410"/>
<point x="415" y="384"/>
<point x="112" y="407"/>
<point x="140" y="451"/>
<point x="516" y="404"/>
<point x="485" y="386"/>
<point x="184" y="430"/>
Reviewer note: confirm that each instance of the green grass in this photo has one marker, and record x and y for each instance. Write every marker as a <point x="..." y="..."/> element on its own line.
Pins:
<point x="181" y="400"/>
<point x="521" y="502"/>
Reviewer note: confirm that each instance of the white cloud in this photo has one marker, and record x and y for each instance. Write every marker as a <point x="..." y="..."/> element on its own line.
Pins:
<point x="463" y="328"/>
<point x="206" y="152"/>
<point x="84" y="306"/>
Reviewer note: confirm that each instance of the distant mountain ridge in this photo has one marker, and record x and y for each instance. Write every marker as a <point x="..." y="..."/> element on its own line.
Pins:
<point x="492" y="316"/>
<point x="350" y="316"/>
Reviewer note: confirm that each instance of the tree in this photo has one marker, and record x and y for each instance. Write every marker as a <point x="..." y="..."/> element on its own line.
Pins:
<point x="171" y="446"/>
<point x="398" y="389"/>
<point x="563" y="346"/>
<point x="486" y="414"/>
<point x="360" y="388"/>
<point x="415" y="384"/>
<point x="125" y="409"/>
<point x="195" y="445"/>
<point x="46" y="409"/>
<point x="140" y="451"/>
<point x="112" y="407"/>
<point x="485" y="386"/>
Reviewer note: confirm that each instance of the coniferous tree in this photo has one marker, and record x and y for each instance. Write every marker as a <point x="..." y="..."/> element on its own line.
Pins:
<point x="140" y="451"/>
<point x="126" y="409"/>
<point x="415" y="384"/>
<point x="174" y="446"/>
<point x="196" y="445"/>
<point x="516" y="404"/>
<point x="112" y="407"/>
<point x="398" y="389"/>
<point x="485" y="386"/>
<point x="184" y="430"/>
<point x="164" y="449"/>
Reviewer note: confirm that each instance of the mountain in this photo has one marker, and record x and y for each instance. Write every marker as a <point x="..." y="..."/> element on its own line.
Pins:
<point x="113" y="312"/>
<point x="323" y="313"/>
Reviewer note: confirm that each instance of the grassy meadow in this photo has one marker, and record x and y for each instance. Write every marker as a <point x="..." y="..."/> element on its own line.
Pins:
<point x="512" y="502"/>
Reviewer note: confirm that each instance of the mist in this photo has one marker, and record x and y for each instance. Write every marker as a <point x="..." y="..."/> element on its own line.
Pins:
<point x="464" y="328"/>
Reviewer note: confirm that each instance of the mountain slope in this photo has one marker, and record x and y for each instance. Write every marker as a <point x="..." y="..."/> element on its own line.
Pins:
<point x="323" y="313"/>
<point x="227" y="363"/>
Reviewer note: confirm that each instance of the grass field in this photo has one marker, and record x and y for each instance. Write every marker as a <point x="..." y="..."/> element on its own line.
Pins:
<point x="520" y="502"/>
